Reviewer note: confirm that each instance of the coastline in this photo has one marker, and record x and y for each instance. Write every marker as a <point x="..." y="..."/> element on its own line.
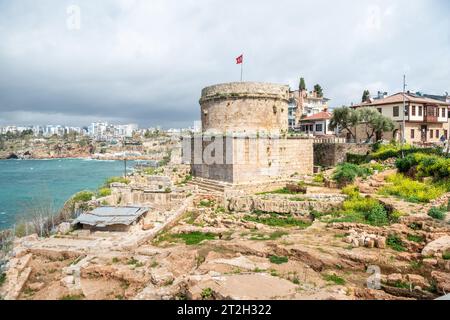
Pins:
<point x="82" y="187"/>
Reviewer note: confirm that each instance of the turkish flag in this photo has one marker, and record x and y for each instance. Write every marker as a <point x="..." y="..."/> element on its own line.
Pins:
<point x="240" y="59"/>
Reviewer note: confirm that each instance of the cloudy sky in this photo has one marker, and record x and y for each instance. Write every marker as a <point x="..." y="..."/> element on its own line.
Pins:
<point x="146" y="61"/>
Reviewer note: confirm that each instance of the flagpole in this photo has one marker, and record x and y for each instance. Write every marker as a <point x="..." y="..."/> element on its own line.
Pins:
<point x="242" y="68"/>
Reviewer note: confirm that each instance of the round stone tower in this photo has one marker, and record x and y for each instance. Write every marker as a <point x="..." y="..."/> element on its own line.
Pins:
<point x="245" y="107"/>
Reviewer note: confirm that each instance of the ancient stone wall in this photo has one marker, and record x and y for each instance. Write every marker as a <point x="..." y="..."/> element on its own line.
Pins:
<point x="246" y="107"/>
<point x="330" y="154"/>
<point x="250" y="160"/>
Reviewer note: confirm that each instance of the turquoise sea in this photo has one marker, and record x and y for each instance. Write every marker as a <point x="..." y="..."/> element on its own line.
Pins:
<point x="28" y="183"/>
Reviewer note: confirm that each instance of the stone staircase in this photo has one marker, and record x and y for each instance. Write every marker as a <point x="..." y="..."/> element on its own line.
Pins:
<point x="208" y="185"/>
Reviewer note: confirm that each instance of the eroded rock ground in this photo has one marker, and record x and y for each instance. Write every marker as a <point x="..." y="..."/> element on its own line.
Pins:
<point x="211" y="253"/>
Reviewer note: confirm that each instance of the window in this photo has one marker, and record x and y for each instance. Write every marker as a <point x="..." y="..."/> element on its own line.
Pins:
<point x="380" y="110"/>
<point x="437" y="133"/>
<point x="395" y="111"/>
<point x="431" y="134"/>
<point x="412" y="133"/>
<point x="443" y="112"/>
<point x="413" y="110"/>
<point x="319" y="127"/>
<point x="420" y="111"/>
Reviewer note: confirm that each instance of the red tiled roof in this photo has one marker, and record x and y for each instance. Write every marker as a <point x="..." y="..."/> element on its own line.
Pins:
<point x="318" y="116"/>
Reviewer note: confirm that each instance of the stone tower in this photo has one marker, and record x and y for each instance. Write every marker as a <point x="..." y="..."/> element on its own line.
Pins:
<point x="245" y="138"/>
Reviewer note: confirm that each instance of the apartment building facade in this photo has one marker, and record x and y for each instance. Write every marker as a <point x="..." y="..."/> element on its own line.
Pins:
<point x="303" y="104"/>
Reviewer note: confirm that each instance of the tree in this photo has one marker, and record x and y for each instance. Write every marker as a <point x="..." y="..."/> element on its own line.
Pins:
<point x="345" y="118"/>
<point x="302" y="85"/>
<point x="365" y="96"/>
<point x="318" y="89"/>
<point x="374" y="122"/>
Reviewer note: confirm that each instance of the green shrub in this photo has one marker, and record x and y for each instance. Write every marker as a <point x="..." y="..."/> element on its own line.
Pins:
<point x="415" y="238"/>
<point x="411" y="190"/>
<point x="111" y="180"/>
<point x="277" y="220"/>
<point x="357" y="158"/>
<point x="2" y="278"/>
<point x="446" y="255"/>
<point x="334" y="278"/>
<point x="437" y="213"/>
<point x="195" y="237"/>
<point x="83" y="196"/>
<point x="351" y="191"/>
<point x="377" y="216"/>
<point x="347" y="172"/>
<point x="104" y="192"/>
<point x="278" y="259"/>
<point x="405" y="164"/>
<point x="319" y="178"/>
<point x="395" y="242"/>
<point x="206" y="203"/>
<point x="207" y="293"/>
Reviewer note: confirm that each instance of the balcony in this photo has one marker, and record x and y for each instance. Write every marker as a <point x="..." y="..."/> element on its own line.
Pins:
<point x="431" y="114"/>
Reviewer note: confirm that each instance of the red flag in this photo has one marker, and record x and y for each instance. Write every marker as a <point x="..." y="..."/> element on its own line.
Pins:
<point x="240" y="59"/>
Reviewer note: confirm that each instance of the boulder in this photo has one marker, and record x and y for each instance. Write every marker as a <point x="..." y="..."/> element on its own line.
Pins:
<point x="439" y="245"/>
<point x="296" y="188"/>
<point x="430" y="262"/>
<point x="417" y="280"/>
<point x="442" y="281"/>
<point x="161" y="277"/>
<point x="394" y="278"/>
<point x="64" y="227"/>
<point x="36" y="286"/>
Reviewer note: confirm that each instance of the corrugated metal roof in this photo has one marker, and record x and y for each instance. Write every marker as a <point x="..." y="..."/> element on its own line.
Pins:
<point x="106" y="216"/>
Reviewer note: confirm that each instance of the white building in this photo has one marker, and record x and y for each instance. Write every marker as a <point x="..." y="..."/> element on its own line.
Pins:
<point x="317" y="124"/>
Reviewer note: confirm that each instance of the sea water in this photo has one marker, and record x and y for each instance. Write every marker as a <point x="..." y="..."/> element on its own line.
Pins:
<point x="28" y="183"/>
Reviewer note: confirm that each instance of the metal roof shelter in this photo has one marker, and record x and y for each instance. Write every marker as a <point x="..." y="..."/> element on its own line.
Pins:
<point x="107" y="216"/>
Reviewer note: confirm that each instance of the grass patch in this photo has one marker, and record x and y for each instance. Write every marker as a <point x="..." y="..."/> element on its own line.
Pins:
<point x="206" y="203"/>
<point x="73" y="297"/>
<point x="104" y="192"/>
<point x="135" y="262"/>
<point x="319" y="178"/>
<point x="207" y="294"/>
<point x="280" y="191"/>
<point x="2" y="278"/>
<point x="438" y="213"/>
<point x="83" y="196"/>
<point x="334" y="278"/>
<point x="194" y="238"/>
<point x="415" y="238"/>
<point x="112" y="180"/>
<point x="358" y="209"/>
<point x="276" y="220"/>
<point x="395" y="243"/>
<point x="346" y="173"/>
<point x="446" y="255"/>
<point x="411" y="190"/>
<point x="278" y="259"/>
<point x="272" y="236"/>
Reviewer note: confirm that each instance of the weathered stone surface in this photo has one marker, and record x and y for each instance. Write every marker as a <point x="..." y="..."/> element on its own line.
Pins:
<point x="437" y="246"/>
<point x="394" y="278"/>
<point x="64" y="227"/>
<point x="259" y="286"/>
<point x="161" y="276"/>
<point x="417" y="280"/>
<point x="442" y="281"/>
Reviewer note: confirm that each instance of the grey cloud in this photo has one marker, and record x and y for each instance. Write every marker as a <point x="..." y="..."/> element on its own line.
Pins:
<point x="146" y="61"/>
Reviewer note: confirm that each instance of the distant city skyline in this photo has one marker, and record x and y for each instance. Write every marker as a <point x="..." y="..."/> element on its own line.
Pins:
<point x="145" y="62"/>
